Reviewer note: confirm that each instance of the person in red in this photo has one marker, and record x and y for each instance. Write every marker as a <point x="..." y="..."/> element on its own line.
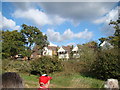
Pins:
<point x="44" y="81"/>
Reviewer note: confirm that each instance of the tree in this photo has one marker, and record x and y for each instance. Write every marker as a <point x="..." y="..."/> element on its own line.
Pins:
<point x="12" y="43"/>
<point x="34" y="36"/>
<point x="91" y="44"/>
<point x="116" y="26"/>
<point x="107" y="61"/>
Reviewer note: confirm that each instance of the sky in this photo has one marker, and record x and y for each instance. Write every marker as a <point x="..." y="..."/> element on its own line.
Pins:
<point x="64" y="23"/>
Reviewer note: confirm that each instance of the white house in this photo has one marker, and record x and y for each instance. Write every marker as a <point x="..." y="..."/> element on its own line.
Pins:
<point x="63" y="52"/>
<point x="75" y="52"/>
<point x="47" y="52"/>
<point x="106" y="45"/>
<point x="50" y="51"/>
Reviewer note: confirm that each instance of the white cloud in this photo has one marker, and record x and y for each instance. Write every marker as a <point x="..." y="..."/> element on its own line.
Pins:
<point x="38" y="17"/>
<point x="85" y="34"/>
<point x="112" y="15"/>
<point x="78" y="11"/>
<point x="68" y="35"/>
<point x="54" y="36"/>
<point x="8" y="23"/>
<point x="58" y="12"/>
<point x="105" y="20"/>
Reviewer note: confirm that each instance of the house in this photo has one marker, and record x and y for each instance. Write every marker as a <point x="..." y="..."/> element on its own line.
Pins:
<point x="36" y="53"/>
<point x="50" y="51"/>
<point x="75" y="52"/>
<point x="106" y="45"/>
<point x="64" y="52"/>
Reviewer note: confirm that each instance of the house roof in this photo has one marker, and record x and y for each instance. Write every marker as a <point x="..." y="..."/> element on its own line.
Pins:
<point x="61" y="50"/>
<point x="65" y="48"/>
<point x="54" y="48"/>
<point x="106" y="43"/>
<point x="75" y="48"/>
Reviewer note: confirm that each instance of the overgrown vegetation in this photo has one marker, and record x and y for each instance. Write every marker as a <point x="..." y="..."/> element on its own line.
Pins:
<point x="46" y="65"/>
<point x="107" y="65"/>
<point x="39" y="66"/>
<point x="9" y="65"/>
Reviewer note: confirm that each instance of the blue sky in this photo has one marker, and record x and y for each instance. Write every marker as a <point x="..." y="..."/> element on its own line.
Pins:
<point x="65" y="23"/>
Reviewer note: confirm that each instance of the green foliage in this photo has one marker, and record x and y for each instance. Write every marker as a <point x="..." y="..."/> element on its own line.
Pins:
<point x="41" y="65"/>
<point x="72" y="66"/>
<point x="107" y="65"/>
<point x="92" y="43"/>
<point x="102" y="64"/>
<point x="34" y="36"/>
<point x="116" y="27"/>
<point x="87" y="57"/>
<point x="116" y="38"/>
<point x="17" y="66"/>
<point x="46" y="65"/>
<point x="12" y="43"/>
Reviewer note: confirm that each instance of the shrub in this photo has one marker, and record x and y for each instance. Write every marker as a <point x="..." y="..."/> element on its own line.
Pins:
<point x="46" y="65"/>
<point x="107" y="65"/>
<point x="18" y="66"/>
<point x="87" y="58"/>
<point x="72" y="66"/>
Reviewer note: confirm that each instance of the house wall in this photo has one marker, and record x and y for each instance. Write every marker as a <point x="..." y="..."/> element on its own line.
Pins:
<point x="47" y="52"/>
<point x="63" y="56"/>
<point x="76" y="55"/>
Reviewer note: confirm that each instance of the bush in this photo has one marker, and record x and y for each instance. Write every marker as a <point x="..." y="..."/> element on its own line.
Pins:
<point x="87" y="58"/>
<point x="107" y="65"/>
<point x="46" y="65"/>
<point x="72" y="66"/>
<point x="18" y="66"/>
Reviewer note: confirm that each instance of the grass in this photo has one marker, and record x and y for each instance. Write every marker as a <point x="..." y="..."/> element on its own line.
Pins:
<point x="63" y="81"/>
<point x="30" y="81"/>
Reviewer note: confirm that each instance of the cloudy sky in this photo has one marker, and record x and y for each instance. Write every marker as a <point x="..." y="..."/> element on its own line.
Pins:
<point x="64" y="22"/>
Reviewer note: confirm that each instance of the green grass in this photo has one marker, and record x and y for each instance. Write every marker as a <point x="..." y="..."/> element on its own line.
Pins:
<point x="30" y="81"/>
<point x="63" y="81"/>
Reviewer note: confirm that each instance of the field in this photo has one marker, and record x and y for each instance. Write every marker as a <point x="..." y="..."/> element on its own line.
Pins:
<point x="63" y="81"/>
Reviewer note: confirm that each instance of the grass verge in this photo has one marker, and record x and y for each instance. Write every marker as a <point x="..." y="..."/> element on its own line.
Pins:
<point x="63" y="81"/>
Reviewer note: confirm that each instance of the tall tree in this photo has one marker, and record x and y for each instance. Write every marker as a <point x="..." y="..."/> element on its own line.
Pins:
<point x="12" y="43"/>
<point x="34" y="37"/>
<point x="116" y="26"/>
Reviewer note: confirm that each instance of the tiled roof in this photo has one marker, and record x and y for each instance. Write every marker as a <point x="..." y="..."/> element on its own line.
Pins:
<point x="52" y="48"/>
<point x="67" y="48"/>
